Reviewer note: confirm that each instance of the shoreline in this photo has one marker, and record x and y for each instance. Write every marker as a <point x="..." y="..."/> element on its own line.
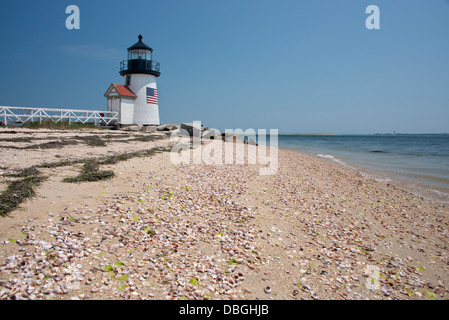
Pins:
<point x="157" y="231"/>
<point x="440" y="195"/>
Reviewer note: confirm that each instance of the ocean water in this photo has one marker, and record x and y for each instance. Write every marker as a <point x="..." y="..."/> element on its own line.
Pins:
<point x="418" y="158"/>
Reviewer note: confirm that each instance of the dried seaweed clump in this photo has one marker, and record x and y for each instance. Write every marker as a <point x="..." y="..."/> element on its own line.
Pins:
<point x="91" y="172"/>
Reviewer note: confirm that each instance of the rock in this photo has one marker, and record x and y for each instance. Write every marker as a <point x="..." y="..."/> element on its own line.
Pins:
<point x="189" y="127"/>
<point x="210" y="134"/>
<point x="148" y="129"/>
<point x="235" y="138"/>
<point x="161" y="127"/>
<point x="174" y="133"/>
<point x="167" y="127"/>
<point x="252" y="142"/>
<point x="134" y="127"/>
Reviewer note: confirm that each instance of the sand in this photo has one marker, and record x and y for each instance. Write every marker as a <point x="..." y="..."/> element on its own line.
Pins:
<point x="158" y="230"/>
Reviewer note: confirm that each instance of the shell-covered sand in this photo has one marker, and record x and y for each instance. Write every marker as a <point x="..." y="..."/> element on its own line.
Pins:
<point x="158" y="230"/>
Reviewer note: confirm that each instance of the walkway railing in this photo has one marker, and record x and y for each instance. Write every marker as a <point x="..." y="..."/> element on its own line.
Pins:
<point x="10" y="115"/>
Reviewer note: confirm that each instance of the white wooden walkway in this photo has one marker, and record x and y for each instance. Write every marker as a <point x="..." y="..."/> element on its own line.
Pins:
<point x="10" y="115"/>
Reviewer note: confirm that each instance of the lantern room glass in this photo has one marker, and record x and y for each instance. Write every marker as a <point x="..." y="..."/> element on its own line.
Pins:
<point x="139" y="54"/>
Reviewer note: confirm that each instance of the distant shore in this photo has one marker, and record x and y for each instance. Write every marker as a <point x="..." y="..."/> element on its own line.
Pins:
<point x="146" y="228"/>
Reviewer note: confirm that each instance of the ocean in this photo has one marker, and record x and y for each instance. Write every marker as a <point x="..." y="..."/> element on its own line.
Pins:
<point x="418" y="158"/>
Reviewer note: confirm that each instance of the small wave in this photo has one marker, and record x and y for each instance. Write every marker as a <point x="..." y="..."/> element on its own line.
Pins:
<point x="325" y="156"/>
<point x="328" y="156"/>
<point x="375" y="177"/>
<point x="383" y="179"/>
<point x="441" y="194"/>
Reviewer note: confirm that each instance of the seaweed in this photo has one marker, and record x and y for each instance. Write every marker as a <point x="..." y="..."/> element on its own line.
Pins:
<point x="62" y="125"/>
<point x="19" y="191"/>
<point x="146" y="138"/>
<point x="91" y="172"/>
<point x="24" y="173"/>
<point x="128" y="155"/>
<point x="18" y="139"/>
<point x="24" y="188"/>
<point x="93" y="141"/>
<point x="52" y="144"/>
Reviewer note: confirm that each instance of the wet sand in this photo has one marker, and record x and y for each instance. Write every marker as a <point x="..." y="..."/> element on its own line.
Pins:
<point x="156" y="230"/>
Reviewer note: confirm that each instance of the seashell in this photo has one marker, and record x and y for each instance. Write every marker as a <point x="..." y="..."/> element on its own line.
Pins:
<point x="94" y="290"/>
<point x="58" y="290"/>
<point x="267" y="290"/>
<point x="169" y="278"/>
<point x="30" y="290"/>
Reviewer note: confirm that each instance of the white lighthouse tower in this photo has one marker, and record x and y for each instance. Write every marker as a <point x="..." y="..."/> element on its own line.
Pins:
<point x="136" y="100"/>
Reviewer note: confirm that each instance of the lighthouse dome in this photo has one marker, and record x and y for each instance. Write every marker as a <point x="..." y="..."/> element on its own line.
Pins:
<point x="140" y="60"/>
<point x="140" y="45"/>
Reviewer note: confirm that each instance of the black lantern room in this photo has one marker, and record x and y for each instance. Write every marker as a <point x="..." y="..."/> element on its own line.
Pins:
<point x="140" y="60"/>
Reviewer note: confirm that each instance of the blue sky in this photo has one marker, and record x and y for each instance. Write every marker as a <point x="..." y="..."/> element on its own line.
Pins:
<point x="308" y="66"/>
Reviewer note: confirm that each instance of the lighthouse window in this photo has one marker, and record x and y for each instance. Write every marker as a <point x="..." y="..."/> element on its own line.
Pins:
<point x="127" y="80"/>
<point x="138" y="54"/>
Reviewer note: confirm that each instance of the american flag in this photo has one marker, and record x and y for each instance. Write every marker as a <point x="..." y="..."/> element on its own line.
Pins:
<point x="152" y="95"/>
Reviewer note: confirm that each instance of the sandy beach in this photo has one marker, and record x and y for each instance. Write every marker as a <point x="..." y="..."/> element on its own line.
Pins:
<point x="158" y="230"/>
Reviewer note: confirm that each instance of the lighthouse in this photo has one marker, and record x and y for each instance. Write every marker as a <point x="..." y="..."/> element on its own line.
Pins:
<point x="136" y="100"/>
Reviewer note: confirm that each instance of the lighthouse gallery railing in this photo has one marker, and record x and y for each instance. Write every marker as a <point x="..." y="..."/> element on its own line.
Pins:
<point x="24" y="114"/>
<point x="142" y="64"/>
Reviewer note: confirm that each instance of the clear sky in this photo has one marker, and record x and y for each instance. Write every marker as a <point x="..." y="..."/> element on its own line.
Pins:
<point x="300" y="66"/>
